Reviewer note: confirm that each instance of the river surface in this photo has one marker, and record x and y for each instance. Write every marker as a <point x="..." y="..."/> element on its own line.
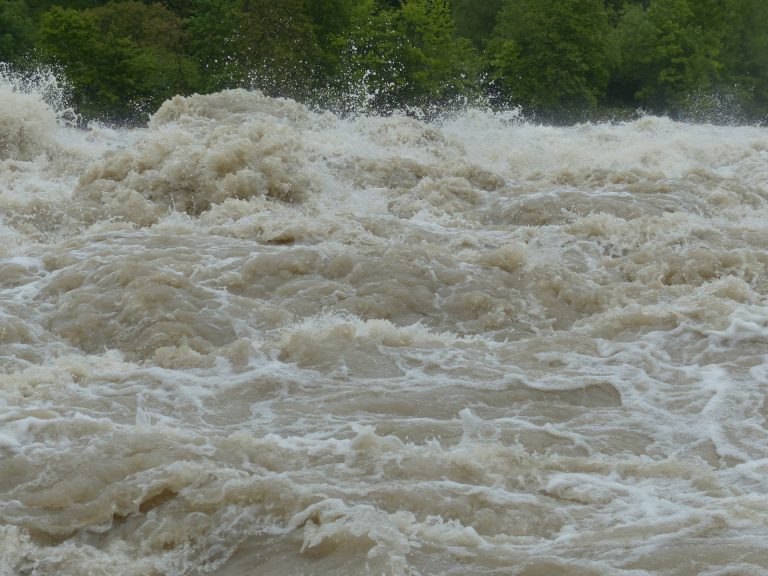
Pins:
<point x="252" y="339"/>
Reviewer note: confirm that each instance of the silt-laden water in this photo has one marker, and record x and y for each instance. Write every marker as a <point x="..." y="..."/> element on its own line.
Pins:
<point x="251" y="339"/>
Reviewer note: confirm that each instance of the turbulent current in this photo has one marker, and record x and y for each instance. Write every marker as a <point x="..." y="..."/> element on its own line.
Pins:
<point x="254" y="339"/>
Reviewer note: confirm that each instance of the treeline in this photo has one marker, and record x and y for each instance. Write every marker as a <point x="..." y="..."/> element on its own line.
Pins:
<point x="556" y="59"/>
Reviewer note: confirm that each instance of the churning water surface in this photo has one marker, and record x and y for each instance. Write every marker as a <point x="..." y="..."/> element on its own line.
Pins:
<point x="251" y="339"/>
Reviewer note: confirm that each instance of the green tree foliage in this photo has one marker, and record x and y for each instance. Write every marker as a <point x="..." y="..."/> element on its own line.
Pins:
<point x="745" y="55"/>
<point x="16" y="30"/>
<point x="560" y="58"/>
<point x="71" y="38"/>
<point x="269" y="44"/>
<point x="120" y="58"/>
<point x="670" y="53"/>
<point x="330" y="17"/>
<point x="410" y="56"/>
<point x="158" y="35"/>
<point x="475" y="20"/>
<point x="551" y="55"/>
<point x="37" y="7"/>
<point x="373" y="60"/>
<point x="215" y="41"/>
<point x="445" y="66"/>
<point x="282" y="50"/>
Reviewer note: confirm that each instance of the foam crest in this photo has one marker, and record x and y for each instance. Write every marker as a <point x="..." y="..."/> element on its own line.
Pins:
<point x="27" y="124"/>
<point x="198" y="152"/>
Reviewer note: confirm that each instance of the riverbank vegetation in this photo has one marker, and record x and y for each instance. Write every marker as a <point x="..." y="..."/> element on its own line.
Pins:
<point x="557" y="60"/>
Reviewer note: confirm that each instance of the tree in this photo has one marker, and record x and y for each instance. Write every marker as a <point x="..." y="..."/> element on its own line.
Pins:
<point x="39" y="6"/>
<point x="16" y="30"/>
<point x="745" y="45"/>
<point x="158" y="33"/>
<point x="668" y="53"/>
<point x="71" y="38"/>
<point x="268" y="44"/>
<point x="330" y="17"/>
<point x="475" y="20"/>
<point x="445" y="66"/>
<point x="214" y="35"/>
<point x="551" y="56"/>
<point x="406" y="57"/>
<point x="283" y="52"/>
<point x="113" y="76"/>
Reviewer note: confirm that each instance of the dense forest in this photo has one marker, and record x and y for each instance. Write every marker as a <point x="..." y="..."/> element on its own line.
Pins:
<point x="557" y="60"/>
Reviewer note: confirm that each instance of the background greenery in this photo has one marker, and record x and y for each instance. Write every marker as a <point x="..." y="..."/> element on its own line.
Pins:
<point x="559" y="60"/>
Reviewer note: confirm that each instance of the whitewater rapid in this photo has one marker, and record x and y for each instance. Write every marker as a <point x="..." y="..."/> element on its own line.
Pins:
<point x="254" y="339"/>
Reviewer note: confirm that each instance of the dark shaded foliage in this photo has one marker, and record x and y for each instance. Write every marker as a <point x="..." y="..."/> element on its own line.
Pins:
<point x="565" y="60"/>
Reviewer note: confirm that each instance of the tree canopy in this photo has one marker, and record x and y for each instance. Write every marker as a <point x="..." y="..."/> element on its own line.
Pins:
<point x="563" y="60"/>
<point x="16" y="30"/>
<point x="551" y="55"/>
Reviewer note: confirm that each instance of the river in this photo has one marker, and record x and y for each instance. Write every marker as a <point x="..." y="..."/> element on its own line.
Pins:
<point x="254" y="339"/>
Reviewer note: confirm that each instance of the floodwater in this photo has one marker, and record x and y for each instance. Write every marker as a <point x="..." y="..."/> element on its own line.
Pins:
<point x="251" y="339"/>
